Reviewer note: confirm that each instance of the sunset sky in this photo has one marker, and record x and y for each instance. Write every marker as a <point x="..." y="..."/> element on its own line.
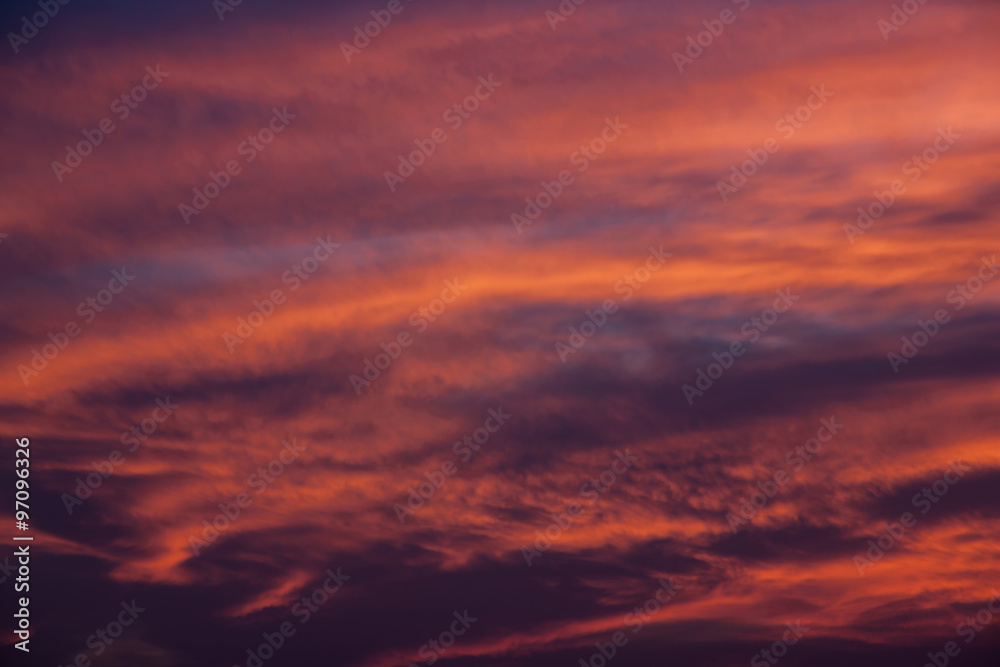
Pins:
<point x="533" y="313"/>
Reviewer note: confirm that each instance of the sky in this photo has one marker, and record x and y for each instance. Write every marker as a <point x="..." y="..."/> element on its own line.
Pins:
<point x="519" y="333"/>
